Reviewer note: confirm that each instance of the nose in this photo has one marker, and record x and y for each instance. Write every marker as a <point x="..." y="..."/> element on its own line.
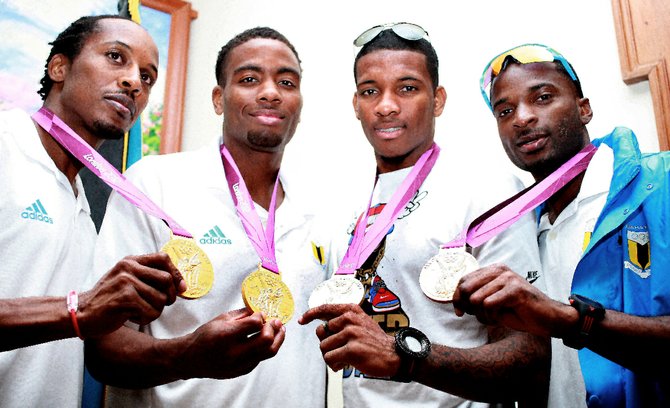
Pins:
<point x="131" y="81"/>
<point x="387" y="105"/>
<point x="269" y="92"/>
<point x="524" y="115"/>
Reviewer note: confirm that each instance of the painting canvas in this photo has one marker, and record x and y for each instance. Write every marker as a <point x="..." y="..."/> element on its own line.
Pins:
<point x="28" y="27"/>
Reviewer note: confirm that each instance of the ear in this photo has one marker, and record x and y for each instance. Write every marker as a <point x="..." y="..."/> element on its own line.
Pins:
<point x="58" y="67"/>
<point x="355" y="103"/>
<point x="585" y="111"/>
<point x="440" y="100"/>
<point x="217" y="99"/>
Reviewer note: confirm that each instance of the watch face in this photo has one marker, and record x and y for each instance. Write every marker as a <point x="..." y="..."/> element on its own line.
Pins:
<point x="413" y="344"/>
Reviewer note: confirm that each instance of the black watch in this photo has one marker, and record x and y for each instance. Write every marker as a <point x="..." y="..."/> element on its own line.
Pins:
<point x="411" y="345"/>
<point x="590" y="312"/>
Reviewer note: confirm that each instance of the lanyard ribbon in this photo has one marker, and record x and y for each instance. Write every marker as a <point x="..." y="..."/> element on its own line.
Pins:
<point x="364" y="242"/>
<point x="95" y="162"/>
<point x="262" y="239"/>
<point x="498" y="218"/>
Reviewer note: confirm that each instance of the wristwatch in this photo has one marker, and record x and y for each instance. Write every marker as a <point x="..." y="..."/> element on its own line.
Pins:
<point x="411" y="345"/>
<point x="590" y="312"/>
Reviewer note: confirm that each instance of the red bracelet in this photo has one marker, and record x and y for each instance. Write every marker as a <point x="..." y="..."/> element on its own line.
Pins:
<point x="72" y="306"/>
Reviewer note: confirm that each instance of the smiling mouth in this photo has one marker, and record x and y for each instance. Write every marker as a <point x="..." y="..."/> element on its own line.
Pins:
<point x="268" y="119"/>
<point x="389" y="130"/>
<point x="268" y="116"/>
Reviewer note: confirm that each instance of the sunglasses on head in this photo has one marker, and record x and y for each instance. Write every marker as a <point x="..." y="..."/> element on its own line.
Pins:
<point x="407" y="31"/>
<point x="524" y="54"/>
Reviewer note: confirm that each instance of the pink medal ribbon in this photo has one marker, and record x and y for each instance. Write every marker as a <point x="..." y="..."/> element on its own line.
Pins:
<point x="95" y="162"/>
<point x="498" y="218"/>
<point x="262" y="239"/>
<point x="364" y="242"/>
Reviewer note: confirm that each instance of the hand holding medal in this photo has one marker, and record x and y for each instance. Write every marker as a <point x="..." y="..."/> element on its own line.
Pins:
<point x="193" y="263"/>
<point x="441" y="274"/>
<point x="191" y="260"/>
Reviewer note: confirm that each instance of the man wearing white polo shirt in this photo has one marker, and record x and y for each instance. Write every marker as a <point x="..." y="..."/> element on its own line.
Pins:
<point x="97" y="80"/>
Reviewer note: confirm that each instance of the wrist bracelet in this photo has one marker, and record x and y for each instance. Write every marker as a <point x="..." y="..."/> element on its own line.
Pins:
<point x="72" y="306"/>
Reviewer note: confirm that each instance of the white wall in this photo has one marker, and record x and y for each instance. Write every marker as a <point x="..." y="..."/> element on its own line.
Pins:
<point x="329" y="152"/>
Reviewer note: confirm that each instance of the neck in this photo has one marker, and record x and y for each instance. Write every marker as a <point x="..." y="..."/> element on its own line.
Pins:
<point x="63" y="160"/>
<point x="259" y="171"/>
<point x="389" y="164"/>
<point x="563" y="197"/>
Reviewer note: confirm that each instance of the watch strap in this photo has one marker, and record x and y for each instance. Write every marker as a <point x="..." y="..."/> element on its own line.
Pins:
<point x="590" y="312"/>
<point x="408" y="358"/>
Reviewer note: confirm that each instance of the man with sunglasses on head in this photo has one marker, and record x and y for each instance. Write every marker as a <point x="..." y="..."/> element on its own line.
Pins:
<point x="603" y="240"/>
<point x="398" y="347"/>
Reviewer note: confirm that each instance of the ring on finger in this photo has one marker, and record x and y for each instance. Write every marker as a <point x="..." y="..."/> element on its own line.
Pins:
<point x="325" y="328"/>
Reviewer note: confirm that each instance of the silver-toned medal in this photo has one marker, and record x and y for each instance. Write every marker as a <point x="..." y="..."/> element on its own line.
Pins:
<point x="338" y="289"/>
<point x="440" y="275"/>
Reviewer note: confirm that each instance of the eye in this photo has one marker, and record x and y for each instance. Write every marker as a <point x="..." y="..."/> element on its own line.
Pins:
<point x="503" y="112"/>
<point x="287" y="82"/>
<point x="148" y="79"/>
<point x="368" y="92"/>
<point x="408" y="88"/>
<point x="544" y="97"/>
<point x="114" y="55"/>
<point x="248" y="80"/>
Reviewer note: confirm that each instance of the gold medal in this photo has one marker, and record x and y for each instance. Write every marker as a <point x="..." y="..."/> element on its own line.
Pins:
<point x="193" y="263"/>
<point x="264" y="291"/>
<point x="441" y="274"/>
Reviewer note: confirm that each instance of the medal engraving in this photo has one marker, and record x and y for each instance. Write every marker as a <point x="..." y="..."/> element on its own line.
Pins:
<point x="194" y="265"/>
<point x="264" y="291"/>
<point x="336" y="290"/>
<point x="441" y="274"/>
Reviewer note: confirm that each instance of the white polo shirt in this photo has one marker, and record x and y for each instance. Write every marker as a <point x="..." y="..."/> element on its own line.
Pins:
<point x="561" y="246"/>
<point x="191" y="187"/>
<point x="47" y="241"/>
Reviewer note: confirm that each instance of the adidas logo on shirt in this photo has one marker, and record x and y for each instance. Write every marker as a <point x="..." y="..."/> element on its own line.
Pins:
<point x="37" y="212"/>
<point x="215" y="236"/>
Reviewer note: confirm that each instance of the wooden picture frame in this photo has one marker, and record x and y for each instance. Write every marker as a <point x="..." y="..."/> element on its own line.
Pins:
<point x="643" y="35"/>
<point x="181" y="14"/>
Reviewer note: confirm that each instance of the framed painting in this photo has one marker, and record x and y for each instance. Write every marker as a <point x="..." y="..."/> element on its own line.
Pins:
<point x="30" y="26"/>
<point x="169" y="22"/>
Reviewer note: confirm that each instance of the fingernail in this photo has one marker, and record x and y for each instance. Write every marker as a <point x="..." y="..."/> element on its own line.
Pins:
<point x="182" y="286"/>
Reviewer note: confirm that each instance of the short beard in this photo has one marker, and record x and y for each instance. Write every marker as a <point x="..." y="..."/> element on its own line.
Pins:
<point x="107" y="132"/>
<point x="570" y="134"/>
<point x="264" y="140"/>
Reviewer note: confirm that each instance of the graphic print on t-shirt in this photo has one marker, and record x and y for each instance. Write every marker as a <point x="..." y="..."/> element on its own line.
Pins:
<point x="36" y="212"/>
<point x="380" y="302"/>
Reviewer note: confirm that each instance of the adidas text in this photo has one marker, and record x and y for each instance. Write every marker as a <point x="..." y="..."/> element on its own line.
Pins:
<point x="210" y="240"/>
<point x="36" y="216"/>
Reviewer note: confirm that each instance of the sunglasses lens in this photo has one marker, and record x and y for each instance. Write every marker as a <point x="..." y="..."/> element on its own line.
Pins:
<point x="409" y="31"/>
<point x="525" y="54"/>
<point x="531" y="53"/>
<point x="368" y="35"/>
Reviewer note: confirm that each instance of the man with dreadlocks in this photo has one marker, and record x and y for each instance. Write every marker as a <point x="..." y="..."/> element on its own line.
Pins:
<point x="97" y="81"/>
